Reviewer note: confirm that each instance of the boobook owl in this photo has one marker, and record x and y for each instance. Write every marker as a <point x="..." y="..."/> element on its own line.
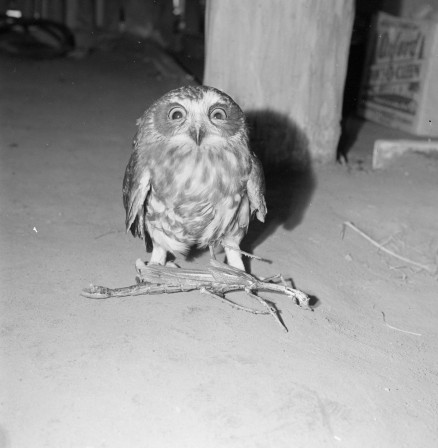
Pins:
<point x="191" y="179"/>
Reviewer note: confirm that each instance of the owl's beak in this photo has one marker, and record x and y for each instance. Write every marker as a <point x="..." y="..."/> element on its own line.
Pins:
<point x="197" y="133"/>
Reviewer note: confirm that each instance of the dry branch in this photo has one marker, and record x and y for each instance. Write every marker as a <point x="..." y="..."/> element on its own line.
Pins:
<point x="215" y="281"/>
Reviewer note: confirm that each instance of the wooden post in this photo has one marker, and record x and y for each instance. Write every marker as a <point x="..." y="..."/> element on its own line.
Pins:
<point x="285" y="62"/>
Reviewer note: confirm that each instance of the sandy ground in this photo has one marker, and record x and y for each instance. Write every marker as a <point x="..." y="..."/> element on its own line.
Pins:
<point x="183" y="370"/>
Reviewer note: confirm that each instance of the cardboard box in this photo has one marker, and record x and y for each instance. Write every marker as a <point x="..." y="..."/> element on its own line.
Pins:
<point x="400" y="83"/>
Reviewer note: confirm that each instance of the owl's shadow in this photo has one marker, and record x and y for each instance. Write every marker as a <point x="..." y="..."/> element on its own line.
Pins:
<point x="283" y="148"/>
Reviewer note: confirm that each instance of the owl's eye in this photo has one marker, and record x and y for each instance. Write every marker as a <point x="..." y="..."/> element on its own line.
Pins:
<point x="218" y="114"/>
<point x="177" y="113"/>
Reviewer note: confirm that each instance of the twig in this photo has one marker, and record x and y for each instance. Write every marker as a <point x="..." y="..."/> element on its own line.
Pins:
<point x="398" y="329"/>
<point x="230" y="302"/>
<point x="215" y="281"/>
<point x="388" y="251"/>
<point x="246" y="254"/>
<point x="271" y="309"/>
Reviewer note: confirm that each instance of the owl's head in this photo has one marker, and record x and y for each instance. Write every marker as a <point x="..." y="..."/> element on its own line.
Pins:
<point x="198" y="116"/>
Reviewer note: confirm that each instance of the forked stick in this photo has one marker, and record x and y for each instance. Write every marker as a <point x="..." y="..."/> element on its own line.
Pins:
<point x="215" y="281"/>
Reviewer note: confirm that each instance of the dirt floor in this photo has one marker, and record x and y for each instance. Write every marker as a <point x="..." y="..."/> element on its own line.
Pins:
<point x="182" y="370"/>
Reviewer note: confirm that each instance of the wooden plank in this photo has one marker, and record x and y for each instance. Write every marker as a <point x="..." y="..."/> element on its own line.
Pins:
<point x="385" y="151"/>
<point x="288" y="58"/>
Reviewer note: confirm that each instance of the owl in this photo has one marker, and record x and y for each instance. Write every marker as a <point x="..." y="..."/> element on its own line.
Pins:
<point x="192" y="179"/>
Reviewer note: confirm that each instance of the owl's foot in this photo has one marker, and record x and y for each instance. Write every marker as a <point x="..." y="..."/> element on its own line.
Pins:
<point x="160" y="256"/>
<point x="234" y="256"/>
<point x="140" y="264"/>
<point x="171" y="264"/>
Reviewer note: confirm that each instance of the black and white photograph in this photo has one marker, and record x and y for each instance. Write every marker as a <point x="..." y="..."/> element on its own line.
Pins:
<point x="218" y="223"/>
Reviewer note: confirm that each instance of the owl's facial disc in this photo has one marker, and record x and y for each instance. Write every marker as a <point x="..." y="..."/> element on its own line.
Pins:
<point x="198" y="130"/>
<point x="198" y="116"/>
<point x="177" y="115"/>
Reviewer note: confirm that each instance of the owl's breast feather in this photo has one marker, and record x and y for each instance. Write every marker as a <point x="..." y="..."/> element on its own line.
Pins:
<point x="197" y="200"/>
<point x="199" y="173"/>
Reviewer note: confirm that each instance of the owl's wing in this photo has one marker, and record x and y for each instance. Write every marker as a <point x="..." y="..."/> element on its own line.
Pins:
<point x="256" y="189"/>
<point x="136" y="186"/>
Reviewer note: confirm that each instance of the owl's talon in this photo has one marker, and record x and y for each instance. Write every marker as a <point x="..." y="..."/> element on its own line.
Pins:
<point x="139" y="265"/>
<point x="172" y="264"/>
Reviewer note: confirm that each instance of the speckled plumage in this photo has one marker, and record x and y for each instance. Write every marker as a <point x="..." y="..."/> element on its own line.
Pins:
<point x="191" y="179"/>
